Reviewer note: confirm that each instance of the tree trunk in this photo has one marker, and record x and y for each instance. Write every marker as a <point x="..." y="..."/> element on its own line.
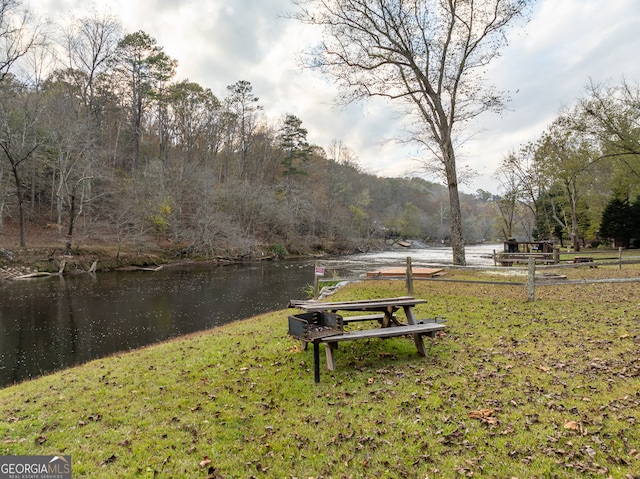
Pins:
<point x="16" y="177"/>
<point x="457" y="237"/>
<point x="136" y="146"/>
<point x="574" y="215"/>
<point x="19" y="194"/>
<point x="72" y="218"/>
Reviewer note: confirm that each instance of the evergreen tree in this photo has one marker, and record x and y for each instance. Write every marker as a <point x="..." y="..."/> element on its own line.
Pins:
<point x="293" y="140"/>
<point x="618" y="221"/>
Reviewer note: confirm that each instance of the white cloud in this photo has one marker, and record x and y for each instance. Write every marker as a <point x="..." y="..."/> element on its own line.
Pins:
<point x="219" y="42"/>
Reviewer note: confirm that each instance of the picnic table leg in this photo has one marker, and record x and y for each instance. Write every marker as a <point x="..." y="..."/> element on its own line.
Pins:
<point x="316" y="361"/>
<point x="417" y="338"/>
<point x="329" y="347"/>
<point x="387" y="317"/>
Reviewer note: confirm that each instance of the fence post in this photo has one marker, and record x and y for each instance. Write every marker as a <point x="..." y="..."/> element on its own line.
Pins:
<point x="620" y="257"/>
<point x="531" y="280"/>
<point x="409" y="276"/>
<point x="315" y="281"/>
<point x="556" y="255"/>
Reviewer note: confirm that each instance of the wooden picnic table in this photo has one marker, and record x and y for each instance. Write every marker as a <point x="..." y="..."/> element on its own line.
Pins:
<point x="381" y="310"/>
<point x="387" y="306"/>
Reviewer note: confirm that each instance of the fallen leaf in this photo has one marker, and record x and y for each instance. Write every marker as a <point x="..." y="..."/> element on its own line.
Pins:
<point x="572" y="425"/>
<point x="481" y="414"/>
<point x="205" y="462"/>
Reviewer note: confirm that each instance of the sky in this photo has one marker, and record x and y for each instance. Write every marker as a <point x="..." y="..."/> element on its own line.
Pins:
<point x="547" y="66"/>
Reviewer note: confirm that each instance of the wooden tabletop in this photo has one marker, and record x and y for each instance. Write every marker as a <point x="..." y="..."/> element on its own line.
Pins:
<point x="362" y="305"/>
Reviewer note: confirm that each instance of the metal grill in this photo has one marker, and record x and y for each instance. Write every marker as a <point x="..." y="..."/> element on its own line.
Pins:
<point x="316" y="325"/>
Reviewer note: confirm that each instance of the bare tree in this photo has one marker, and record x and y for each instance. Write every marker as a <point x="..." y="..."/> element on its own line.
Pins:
<point x="18" y="34"/>
<point x="523" y="183"/>
<point x="508" y="203"/>
<point x="19" y="112"/>
<point x="90" y="43"/>
<point x="342" y="154"/>
<point x="430" y="54"/>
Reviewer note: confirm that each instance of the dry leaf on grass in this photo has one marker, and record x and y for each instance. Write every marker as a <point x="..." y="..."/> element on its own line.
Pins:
<point x="485" y="415"/>
<point x="573" y="425"/>
<point x="481" y="413"/>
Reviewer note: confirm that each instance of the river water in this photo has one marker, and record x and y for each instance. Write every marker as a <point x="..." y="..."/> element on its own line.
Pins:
<point x="47" y="324"/>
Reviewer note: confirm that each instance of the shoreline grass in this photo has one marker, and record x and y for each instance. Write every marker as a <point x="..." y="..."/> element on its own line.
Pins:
<point x="511" y="389"/>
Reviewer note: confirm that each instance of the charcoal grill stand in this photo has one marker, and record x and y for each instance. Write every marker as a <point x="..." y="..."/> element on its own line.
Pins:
<point x="312" y="328"/>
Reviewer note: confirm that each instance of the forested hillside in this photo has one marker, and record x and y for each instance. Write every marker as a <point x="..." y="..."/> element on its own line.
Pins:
<point x="100" y="141"/>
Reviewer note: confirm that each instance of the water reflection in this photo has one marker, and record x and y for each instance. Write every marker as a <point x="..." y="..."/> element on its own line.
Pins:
<point x="53" y="323"/>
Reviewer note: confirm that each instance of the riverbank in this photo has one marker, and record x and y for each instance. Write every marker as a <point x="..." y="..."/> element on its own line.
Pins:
<point x="511" y="389"/>
<point x="47" y="255"/>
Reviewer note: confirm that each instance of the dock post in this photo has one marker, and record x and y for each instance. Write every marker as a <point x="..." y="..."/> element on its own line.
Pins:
<point x="409" y="276"/>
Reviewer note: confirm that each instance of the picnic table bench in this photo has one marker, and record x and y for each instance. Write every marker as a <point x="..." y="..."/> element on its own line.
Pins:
<point x="328" y="325"/>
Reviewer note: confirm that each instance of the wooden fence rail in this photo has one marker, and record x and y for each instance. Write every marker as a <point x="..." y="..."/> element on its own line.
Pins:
<point x="531" y="283"/>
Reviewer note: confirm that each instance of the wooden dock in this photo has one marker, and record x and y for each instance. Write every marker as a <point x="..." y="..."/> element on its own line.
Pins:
<point x="395" y="272"/>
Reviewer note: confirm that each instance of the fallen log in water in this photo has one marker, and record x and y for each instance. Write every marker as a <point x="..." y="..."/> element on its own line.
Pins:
<point x="140" y="268"/>
<point x="41" y="274"/>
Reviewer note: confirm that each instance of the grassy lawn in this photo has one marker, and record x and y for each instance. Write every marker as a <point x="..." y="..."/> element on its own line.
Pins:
<point x="511" y="389"/>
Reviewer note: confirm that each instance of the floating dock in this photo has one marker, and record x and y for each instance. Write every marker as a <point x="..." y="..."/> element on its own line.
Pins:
<point x="394" y="272"/>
